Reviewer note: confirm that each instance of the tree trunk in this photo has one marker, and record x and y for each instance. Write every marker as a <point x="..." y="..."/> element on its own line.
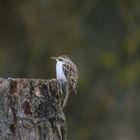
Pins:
<point x="31" y="109"/>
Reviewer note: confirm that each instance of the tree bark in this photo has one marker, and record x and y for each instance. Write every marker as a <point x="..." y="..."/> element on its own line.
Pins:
<point x="31" y="109"/>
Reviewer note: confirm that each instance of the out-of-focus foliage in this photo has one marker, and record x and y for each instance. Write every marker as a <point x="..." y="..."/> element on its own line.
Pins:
<point x="102" y="38"/>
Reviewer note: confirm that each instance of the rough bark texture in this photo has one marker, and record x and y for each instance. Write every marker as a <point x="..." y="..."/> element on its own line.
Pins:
<point x="31" y="109"/>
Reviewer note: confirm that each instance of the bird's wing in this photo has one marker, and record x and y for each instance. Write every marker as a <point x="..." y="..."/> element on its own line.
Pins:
<point x="68" y="71"/>
<point x="71" y="75"/>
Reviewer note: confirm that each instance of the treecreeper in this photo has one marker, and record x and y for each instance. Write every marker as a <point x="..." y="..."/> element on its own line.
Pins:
<point x="67" y="73"/>
<point x="32" y="109"/>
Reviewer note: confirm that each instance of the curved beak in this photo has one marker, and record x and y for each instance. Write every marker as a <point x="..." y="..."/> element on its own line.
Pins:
<point x="55" y="58"/>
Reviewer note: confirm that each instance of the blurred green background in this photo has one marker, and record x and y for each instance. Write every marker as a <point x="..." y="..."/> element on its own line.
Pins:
<point x="102" y="37"/>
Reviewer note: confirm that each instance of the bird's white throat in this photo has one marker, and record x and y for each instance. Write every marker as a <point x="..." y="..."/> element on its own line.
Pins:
<point x="59" y="71"/>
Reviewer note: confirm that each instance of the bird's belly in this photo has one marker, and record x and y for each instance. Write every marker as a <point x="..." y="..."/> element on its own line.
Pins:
<point x="59" y="72"/>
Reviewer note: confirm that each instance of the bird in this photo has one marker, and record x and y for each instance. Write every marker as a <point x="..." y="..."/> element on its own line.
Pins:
<point x="67" y="72"/>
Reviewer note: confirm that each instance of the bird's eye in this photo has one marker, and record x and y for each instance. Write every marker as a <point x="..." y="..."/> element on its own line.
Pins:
<point x="60" y="59"/>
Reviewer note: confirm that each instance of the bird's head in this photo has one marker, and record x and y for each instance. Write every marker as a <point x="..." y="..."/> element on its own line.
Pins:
<point x="62" y="58"/>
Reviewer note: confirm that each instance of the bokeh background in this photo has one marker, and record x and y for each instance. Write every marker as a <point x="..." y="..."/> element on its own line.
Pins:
<point x="102" y="37"/>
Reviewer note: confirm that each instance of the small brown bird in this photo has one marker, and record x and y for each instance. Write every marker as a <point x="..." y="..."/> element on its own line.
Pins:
<point x="66" y="71"/>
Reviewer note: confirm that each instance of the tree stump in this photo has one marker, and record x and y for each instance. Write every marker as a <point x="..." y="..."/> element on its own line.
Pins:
<point x="31" y="109"/>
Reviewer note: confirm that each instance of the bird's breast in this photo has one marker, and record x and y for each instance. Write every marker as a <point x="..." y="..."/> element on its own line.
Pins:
<point x="59" y="72"/>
